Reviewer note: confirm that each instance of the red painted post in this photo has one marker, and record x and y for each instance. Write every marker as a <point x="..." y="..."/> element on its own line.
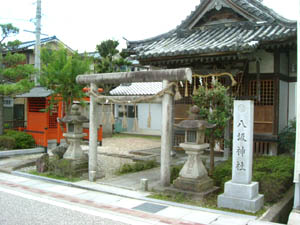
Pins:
<point x="100" y="134"/>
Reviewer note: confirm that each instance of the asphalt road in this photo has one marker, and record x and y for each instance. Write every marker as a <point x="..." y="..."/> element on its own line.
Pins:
<point x="18" y="208"/>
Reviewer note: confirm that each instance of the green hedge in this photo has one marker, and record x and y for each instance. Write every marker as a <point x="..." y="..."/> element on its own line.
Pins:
<point x="7" y="143"/>
<point x="22" y="139"/>
<point x="287" y="138"/>
<point x="274" y="174"/>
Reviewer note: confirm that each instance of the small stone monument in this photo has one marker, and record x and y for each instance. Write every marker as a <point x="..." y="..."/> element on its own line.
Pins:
<point x="42" y="163"/>
<point x="74" y="135"/>
<point x="241" y="193"/>
<point x="193" y="175"/>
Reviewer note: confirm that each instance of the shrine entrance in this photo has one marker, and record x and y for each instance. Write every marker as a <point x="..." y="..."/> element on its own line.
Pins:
<point x="169" y="78"/>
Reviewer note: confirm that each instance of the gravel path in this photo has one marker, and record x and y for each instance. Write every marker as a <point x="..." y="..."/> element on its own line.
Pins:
<point x="108" y="165"/>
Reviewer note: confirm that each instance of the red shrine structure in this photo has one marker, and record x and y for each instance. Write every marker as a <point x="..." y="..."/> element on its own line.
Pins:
<point x="42" y="120"/>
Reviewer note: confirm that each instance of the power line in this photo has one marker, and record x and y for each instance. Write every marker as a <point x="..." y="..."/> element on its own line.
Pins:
<point x="17" y="19"/>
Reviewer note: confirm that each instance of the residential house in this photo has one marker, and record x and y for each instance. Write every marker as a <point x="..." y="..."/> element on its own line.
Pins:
<point x="241" y="37"/>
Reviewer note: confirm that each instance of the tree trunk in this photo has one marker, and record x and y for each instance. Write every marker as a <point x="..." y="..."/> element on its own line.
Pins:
<point x="1" y="115"/>
<point x="212" y="156"/>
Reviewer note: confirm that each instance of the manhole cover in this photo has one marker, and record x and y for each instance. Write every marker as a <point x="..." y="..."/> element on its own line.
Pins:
<point x="149" y="207"/>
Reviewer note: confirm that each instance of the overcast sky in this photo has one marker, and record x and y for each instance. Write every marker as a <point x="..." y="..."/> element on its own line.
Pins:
<point x="82" y="24"/>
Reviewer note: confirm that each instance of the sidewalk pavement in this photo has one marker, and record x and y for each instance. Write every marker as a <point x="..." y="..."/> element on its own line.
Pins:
<point x="124" y="202"/>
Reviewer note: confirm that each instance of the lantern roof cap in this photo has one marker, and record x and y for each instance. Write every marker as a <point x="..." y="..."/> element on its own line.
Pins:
<point x="194" y="122"/>
<point x="75" y="116"/>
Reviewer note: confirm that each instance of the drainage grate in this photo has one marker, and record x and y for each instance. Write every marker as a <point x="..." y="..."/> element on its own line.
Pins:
<point x="149" y="207"/>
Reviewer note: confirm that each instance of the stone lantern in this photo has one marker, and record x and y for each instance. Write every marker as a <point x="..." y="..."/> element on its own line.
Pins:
<point x="74" y="133"/>
<point x="193" y="176"/>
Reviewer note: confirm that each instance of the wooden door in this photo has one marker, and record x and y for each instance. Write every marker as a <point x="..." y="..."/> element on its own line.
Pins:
<point x="263" y="109"/>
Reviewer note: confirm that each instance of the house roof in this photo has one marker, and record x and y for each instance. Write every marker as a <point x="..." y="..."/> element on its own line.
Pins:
<point x="218" y="26"/>
<point x="36" y="92"/>
<point x="136" y="89"/>
<point x="31" y="44"/>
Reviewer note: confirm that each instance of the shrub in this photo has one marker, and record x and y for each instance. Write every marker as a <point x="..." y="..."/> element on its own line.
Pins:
<point x="222" y="173"/>
<point x="136" y="167"/>
<point x="175" y="172"/>
<point x="274" y="174"/>
<point x="7" y="143"/>
<point x="287" y="137"/>
<point x="23" y="140"/>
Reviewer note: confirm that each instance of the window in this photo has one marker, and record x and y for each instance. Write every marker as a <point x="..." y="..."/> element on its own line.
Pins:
<point x="37" y="104"/>
<point x="8" y="102"/>
<point x="129" y="110"/>
<point x="266" y="92"/>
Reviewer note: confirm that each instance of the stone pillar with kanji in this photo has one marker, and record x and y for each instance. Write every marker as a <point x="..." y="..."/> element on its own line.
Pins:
<point x="240" y="192"/>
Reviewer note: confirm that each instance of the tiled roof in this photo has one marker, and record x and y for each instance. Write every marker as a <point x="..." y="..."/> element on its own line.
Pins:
<point x="253" y="10"/>
<point x="259" y="26"/>
<point x="236" y="37"/>
<point x="136" y="89"/>
<point x="36" y="92"/>
<point x="29" y="44"/>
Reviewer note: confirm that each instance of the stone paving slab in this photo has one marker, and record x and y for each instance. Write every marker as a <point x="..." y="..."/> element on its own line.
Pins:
<point x="132" y="180"/>
<point x="206" y="217"/>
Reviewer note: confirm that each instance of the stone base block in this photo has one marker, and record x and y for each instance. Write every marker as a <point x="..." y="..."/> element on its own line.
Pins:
<point x="245" y="191"/>
<point x="196" y="185"/>
<point x="241" y="197"/>
<point x="252" y="205"/>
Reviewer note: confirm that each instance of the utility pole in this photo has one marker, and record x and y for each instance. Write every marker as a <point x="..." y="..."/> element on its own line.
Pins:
<point x="37" y="55"/>
<point x="297" y="150"/>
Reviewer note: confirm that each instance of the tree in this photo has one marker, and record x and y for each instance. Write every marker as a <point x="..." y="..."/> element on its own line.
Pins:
<point x="111" y="60"/>
<point x="59" y="71"/>
<point x="14" y="74"/>
<point x="215" y="107"/>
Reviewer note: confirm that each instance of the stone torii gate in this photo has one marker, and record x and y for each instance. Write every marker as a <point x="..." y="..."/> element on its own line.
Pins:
<point x="166" y="76"/>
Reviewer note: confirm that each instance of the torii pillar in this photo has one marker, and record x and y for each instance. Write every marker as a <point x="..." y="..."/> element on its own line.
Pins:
<point x="93" y="138"/>
<point x="166" y="76"/>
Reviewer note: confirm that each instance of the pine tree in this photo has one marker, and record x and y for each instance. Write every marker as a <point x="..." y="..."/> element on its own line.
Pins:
<point x="111" y="60"/>
<point x="14" y="73"/>
<point x="59" y="71"/>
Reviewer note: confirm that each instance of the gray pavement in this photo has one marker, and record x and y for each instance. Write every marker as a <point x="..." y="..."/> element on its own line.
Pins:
<point x="122" y="194"/>
<point x="12" y="213"/>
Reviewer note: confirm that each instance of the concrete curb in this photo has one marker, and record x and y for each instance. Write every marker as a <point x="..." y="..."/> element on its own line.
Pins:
<point x="70" y="184"/>
<point x="36" y="177"/>
<point x="9" y="153"/>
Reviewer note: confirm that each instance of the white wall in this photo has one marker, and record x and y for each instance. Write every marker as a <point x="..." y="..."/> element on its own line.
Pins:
<point x="284" y="63"/>
<point x="266" y="64"/>
<point x="292" y="100"/>
<point x="107" y="127"/>
<point x="283" y="104"/>
<point x="143" y="111"/>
